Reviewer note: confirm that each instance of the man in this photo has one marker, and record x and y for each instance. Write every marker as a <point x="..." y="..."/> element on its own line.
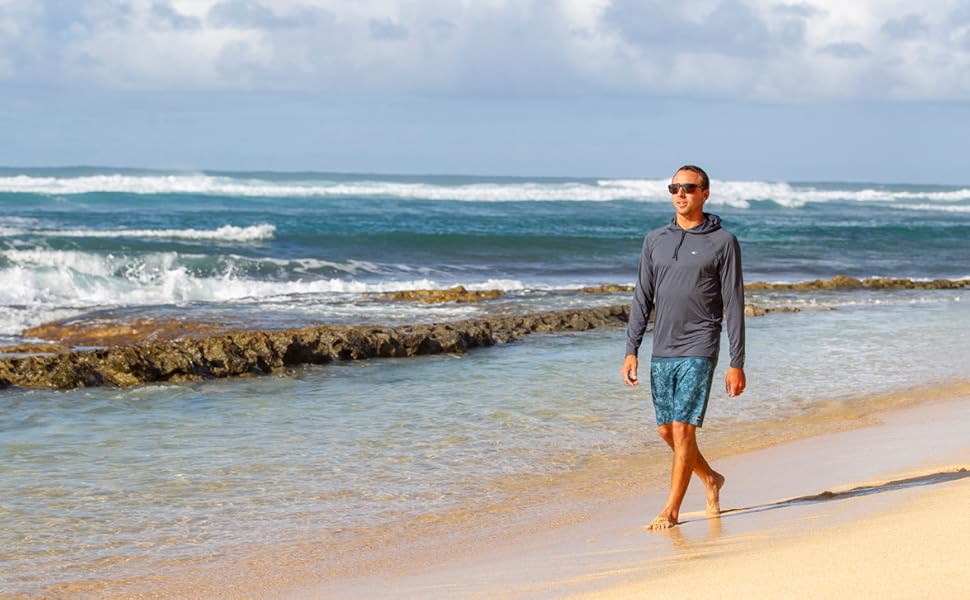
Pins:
<point x="690" y="272"/>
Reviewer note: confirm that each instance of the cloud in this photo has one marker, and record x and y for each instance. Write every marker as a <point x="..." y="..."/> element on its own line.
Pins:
<point x="732" y="28"/>
<point x="386" y="29"/>
<point x="739" y="49"/>
<point x="803" y="10"/>
<point x="847" y="50"/>
<point x="250" y="14"/>
<point x="910" y="26"/>
<point x="164" y="14"/>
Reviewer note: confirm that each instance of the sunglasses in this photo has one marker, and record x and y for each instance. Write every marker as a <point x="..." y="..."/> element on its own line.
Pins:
<point x="689" y="188"/>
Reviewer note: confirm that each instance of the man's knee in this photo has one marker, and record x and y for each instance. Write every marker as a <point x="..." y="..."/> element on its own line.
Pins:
<point x="666" y="431"/>
<point x="682" y="433"/>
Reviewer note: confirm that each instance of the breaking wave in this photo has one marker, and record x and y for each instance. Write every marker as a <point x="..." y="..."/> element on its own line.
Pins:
<point x="737" y="194"/>
<point x="38" y="285"/>
<point x="226" y="233"/>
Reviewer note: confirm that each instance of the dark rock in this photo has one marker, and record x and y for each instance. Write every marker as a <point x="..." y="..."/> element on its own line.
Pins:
<point x="261" y="352"/>
<point x="34" y="349"/>
<point x="272" y="352"/>
<point x="114" y="333"/>
<point x="608" y="288"/>
<point x="456" y="294"/>
<point x="844" y="282"/>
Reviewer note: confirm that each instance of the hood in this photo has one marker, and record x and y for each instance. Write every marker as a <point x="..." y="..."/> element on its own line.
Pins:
<point x="711" y="223"/>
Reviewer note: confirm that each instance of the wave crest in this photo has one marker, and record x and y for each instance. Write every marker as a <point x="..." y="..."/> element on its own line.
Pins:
<point x="226" y="233"/>
<point x="736" y="193"/>
<point x="38" y="285"/>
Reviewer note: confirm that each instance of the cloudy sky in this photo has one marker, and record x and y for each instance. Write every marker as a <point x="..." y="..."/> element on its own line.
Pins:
<point x="860" y="90"/>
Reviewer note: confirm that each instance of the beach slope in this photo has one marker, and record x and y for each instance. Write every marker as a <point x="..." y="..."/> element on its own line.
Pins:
<point x="879" y="511"/>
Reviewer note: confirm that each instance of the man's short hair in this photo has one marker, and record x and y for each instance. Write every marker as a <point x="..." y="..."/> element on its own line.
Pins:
<point x="705" y="180"/>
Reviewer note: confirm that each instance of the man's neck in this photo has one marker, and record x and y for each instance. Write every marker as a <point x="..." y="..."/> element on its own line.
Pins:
<point x="690" y="221"/>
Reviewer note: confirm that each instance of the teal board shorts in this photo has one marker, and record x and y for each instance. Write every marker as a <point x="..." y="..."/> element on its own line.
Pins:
<point x="681" y="387"/>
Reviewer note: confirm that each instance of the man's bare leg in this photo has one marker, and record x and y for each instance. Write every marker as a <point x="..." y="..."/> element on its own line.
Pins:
<point x="683" y="436"/>
<point x="712" y="480"/>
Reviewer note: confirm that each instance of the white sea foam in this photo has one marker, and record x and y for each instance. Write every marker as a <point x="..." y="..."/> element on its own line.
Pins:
<point x="102" y="265"/>
<point x="303" y="265"/>
<point x="227" y="186"/>
<point x="226" y="233"/>
<point x="959" y="208"/>
<point x="41" y="284"/>
<point x="18" y="221"/>
<point x="14" y="226"/>
<point x="732" y="193"/>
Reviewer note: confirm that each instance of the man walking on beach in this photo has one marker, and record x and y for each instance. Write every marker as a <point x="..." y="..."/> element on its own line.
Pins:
<point x="690" y="272"/>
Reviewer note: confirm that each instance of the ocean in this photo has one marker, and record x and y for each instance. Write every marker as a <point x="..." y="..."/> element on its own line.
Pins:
<point x="104" y="488"/>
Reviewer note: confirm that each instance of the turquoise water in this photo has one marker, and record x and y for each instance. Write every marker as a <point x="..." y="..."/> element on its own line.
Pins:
<point x="106" y="484"/>
<point x="288" y="249"/>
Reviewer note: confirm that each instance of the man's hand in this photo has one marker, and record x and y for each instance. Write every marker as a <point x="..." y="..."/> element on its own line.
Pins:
<point x="630" y="370"/>
<point x="734" y="381"/>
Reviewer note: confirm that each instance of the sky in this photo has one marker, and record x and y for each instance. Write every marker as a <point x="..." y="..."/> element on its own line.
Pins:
<point x="820" y="90"/>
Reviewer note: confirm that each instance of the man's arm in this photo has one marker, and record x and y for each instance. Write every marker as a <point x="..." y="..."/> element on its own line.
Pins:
<point x="639" y="312"/>
<point x="732" y="296"/>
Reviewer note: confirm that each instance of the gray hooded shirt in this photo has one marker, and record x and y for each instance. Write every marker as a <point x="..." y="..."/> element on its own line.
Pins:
<point x="693" y="279"/>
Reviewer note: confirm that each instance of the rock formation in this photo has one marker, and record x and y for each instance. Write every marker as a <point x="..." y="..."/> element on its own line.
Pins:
<point x="264" y="352"/>
<point x="844" y="282"/>
<point x="607" y="288"/>
<point x="456" y="294"/>
<point x="147" y="351"/>
<point x="115" y="333"/>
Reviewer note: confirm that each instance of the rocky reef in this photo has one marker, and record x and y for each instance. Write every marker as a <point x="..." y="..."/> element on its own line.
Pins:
<point x="265" y="352"/>
<point x="838" y="282"/>
<point x="146" y="351"/>
<point x="114" y="333"/>
<point x="844" y="282"/>
<point x="455" y="294"/>
<point x="608" y="288"/>
<point x="753" y="310"/>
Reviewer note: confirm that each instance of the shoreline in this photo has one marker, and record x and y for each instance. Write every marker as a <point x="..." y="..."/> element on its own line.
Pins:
<point x="815" y="483"/>
<point x="902" y="547"/>
<point x="574" y="544"/>
<point x="910" y="548"/>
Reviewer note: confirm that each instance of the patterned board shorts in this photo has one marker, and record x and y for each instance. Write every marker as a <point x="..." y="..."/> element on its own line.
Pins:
<point x="680" y="387"/>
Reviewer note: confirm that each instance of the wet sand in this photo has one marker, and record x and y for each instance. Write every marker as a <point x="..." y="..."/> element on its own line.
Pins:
<point x="914" y="549"/>
<point x="834" y="514"/>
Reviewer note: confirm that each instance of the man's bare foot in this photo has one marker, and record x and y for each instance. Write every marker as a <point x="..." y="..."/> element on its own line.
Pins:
<point x="661" y="522"/>
<point x="714" y="495"/>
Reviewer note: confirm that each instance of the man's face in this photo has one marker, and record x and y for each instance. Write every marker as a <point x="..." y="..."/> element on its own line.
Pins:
<point x="689" y="205"/>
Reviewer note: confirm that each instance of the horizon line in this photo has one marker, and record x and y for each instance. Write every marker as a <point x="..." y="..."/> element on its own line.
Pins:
<point x="365" y="173"/>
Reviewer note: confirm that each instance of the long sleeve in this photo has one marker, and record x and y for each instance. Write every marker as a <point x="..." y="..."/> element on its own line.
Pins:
<point x="642" y="302"/>
<point x="732" y="296"/>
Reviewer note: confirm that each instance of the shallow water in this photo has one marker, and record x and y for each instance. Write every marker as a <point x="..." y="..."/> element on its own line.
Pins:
<point x="106" y="483"/>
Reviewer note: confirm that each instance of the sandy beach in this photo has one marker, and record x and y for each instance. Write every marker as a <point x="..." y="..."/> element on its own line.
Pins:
<point x="910" y="550"/>
<point x="877" y="511"/>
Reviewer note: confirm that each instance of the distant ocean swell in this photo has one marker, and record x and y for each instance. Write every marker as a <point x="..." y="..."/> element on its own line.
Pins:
<point x="229" y="233"/>
<point x="738" y="194"/>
